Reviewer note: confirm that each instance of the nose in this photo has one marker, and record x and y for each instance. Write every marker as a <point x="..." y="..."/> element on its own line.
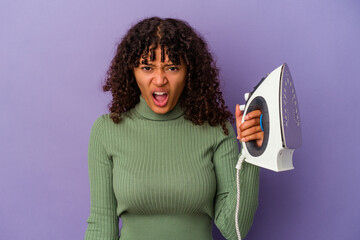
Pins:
<point x="159" y="77"/>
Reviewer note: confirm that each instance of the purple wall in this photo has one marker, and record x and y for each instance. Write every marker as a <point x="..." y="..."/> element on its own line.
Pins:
<point x="54" y="54"/>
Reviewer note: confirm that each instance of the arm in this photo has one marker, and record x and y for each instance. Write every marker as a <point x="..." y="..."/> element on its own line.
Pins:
<point x="103" y="223"/>
<point x="225" y="159"/>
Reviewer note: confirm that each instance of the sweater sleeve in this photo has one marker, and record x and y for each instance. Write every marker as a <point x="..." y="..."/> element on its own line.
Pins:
<point x="225" y="159"/>
<point x="103" y="223"/>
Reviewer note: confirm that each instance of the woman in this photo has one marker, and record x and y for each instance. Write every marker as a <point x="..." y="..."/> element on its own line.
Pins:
<point x="164" y="158"/>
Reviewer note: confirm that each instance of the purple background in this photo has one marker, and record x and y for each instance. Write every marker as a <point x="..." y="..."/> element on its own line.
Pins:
<point x="54" y="55"/>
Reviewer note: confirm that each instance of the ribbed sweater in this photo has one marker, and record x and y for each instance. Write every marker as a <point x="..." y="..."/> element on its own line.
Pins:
<point x="166" y="178"/>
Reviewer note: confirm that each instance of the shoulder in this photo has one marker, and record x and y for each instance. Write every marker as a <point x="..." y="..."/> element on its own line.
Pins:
<point x="222" y="138"/>
<point x="231" y="129"/>
<point x="98" y="124"/>
<point x="220" y="132"/>
<point x="105" y="123"/>
<point x="102" y="126"/>
<point x="99" y="121"/>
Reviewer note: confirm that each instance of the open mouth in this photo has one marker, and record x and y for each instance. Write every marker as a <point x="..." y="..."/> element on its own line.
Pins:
<point x="160" y="98"/>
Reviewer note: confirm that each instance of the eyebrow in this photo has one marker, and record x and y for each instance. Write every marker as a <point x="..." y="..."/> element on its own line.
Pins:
<point x="150" y="64"/>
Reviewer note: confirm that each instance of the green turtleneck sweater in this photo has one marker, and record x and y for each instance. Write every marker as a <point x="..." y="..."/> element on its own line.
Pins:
<point x="166" y="178"/>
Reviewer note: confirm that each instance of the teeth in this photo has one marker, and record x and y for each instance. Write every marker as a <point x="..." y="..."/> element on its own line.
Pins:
<point x="160" y="93"/>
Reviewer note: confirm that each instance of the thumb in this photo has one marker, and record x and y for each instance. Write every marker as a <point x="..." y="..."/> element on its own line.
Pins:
<point x="238" y="117"/>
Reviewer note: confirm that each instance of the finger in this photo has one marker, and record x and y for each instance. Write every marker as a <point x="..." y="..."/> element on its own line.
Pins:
<point x="238" y="117"/>
<point x="249" y="124"/>
<point x="259" y="142"/>
<point x="255" y="136"/>
<point x="250" y="131"/>
<point x="253" y="114"/>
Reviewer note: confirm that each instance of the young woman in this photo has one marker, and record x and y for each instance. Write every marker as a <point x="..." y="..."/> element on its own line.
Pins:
<point x="163" y="159"/>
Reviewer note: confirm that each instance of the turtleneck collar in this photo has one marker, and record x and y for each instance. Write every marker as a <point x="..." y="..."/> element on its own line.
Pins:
<point x="145" y="111"/>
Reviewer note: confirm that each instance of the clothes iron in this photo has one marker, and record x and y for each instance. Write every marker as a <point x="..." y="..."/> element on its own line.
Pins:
<point x="275" y="96"/>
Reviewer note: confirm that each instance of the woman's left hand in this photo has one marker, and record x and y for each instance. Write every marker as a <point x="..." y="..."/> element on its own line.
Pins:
<point x="250" y="129"/>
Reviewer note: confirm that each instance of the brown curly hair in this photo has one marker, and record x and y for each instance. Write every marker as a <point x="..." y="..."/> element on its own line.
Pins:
<point x="201" y="98"/>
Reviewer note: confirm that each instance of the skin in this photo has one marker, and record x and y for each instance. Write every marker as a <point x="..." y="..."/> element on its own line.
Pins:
<point x="250" y="129"/>
<point x="166" y="76"/>
<point x="160" y="76"/>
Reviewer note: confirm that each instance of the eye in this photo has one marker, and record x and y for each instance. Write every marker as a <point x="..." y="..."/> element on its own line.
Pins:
<point x="146" y="68"/>
<point x="172" y="69"/>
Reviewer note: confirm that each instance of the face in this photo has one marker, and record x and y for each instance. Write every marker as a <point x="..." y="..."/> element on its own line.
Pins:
<point x="160" y="83"/>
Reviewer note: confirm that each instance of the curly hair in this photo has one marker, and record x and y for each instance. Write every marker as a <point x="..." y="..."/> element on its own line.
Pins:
<point x="201" y="98"/>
